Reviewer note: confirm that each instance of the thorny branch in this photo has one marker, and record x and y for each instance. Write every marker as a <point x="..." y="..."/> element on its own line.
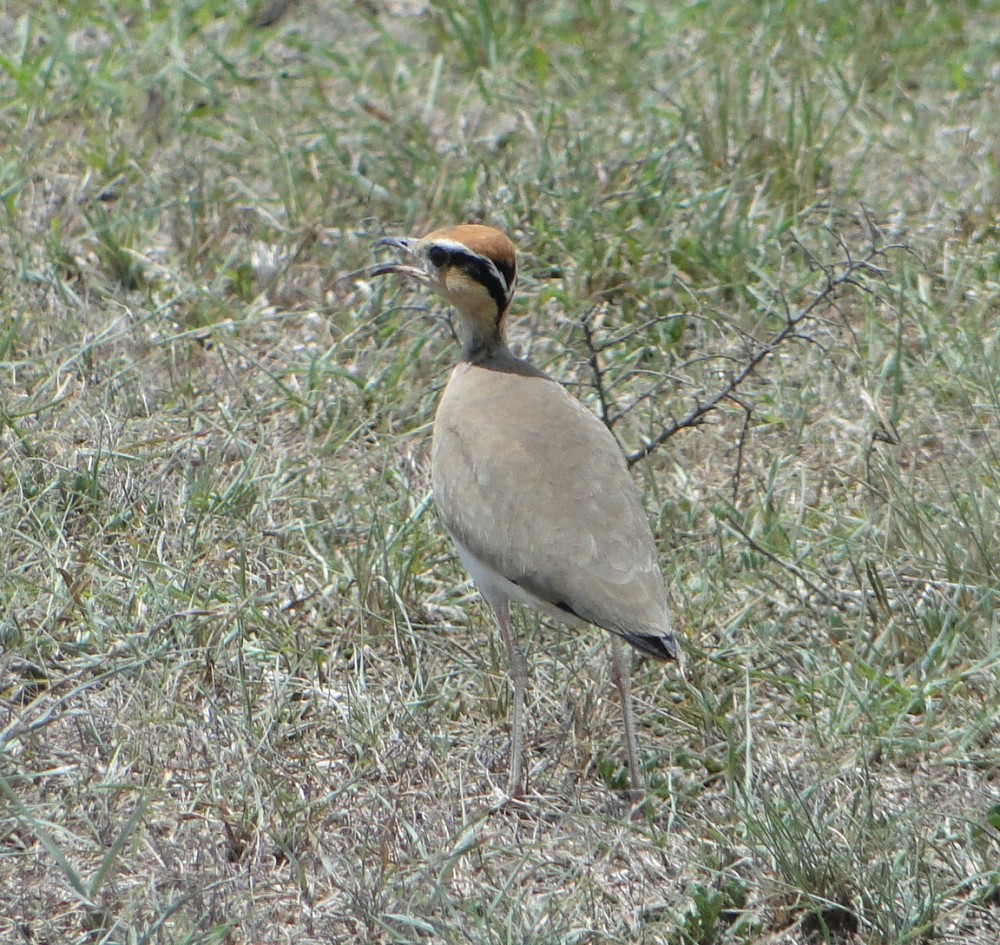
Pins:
<point x="848" y="274"/>
<point x="598" y="373"/>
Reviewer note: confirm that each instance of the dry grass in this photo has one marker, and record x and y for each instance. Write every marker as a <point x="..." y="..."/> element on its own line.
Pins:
<point x="246" y="693"/>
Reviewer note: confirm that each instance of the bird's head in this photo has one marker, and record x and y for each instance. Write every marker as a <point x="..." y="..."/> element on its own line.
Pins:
<point x="471" y="266"/>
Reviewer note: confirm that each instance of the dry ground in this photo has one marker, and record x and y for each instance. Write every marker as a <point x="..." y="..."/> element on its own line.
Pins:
<point x="247" y="694"/>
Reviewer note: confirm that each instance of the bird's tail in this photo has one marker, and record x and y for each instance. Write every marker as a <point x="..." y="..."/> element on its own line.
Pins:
<point x="660" y="647"/>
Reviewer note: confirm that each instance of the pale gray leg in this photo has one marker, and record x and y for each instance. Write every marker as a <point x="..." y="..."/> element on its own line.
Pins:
<point x="519" y="677"/>
<point x="621" y="666"/>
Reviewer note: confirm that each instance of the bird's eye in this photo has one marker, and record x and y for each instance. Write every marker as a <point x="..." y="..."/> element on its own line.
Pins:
<point x="437" y="256"/>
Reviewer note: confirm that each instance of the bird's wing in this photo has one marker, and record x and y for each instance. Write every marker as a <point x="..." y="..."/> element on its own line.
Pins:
<point x="534" y="485"/>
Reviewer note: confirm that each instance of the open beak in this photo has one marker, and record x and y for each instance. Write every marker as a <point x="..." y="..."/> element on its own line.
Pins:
<point x="404" y="247"/>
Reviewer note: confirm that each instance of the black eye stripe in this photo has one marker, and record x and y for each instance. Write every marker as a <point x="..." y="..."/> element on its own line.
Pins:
<point x="507" y="271"/>
<point x="493" y="277"/>
<point x="438" y="256"/>
<point x="486" y="275"/>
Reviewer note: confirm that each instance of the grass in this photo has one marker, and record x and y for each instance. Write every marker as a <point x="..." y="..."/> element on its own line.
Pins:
<point x="246" y="692"/>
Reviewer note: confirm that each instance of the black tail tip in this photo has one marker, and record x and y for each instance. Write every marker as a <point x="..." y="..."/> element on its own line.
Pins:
<point x="663" y="647"/>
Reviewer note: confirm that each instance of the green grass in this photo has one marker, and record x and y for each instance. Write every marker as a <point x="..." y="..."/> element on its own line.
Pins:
<point x="246" y="692"/>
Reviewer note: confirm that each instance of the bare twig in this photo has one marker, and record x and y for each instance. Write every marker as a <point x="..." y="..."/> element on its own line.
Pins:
<point x="850" y="274"/>
<point x="596" y="371"/>
<point x="740" y="444"/>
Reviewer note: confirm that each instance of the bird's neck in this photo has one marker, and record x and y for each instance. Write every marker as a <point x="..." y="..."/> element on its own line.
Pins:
<point x="478" y="351"/>
<point x="482" y="335"/>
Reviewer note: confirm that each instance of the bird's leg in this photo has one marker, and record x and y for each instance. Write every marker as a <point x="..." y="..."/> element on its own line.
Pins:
<point x="519" y="677"/>
<point x="621" y="666"/>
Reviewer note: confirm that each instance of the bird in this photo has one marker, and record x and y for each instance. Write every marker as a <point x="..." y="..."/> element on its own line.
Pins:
<point x="531" y="486"/>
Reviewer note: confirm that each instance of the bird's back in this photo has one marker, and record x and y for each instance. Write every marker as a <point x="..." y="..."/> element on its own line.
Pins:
<point x="575" y="536"/>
